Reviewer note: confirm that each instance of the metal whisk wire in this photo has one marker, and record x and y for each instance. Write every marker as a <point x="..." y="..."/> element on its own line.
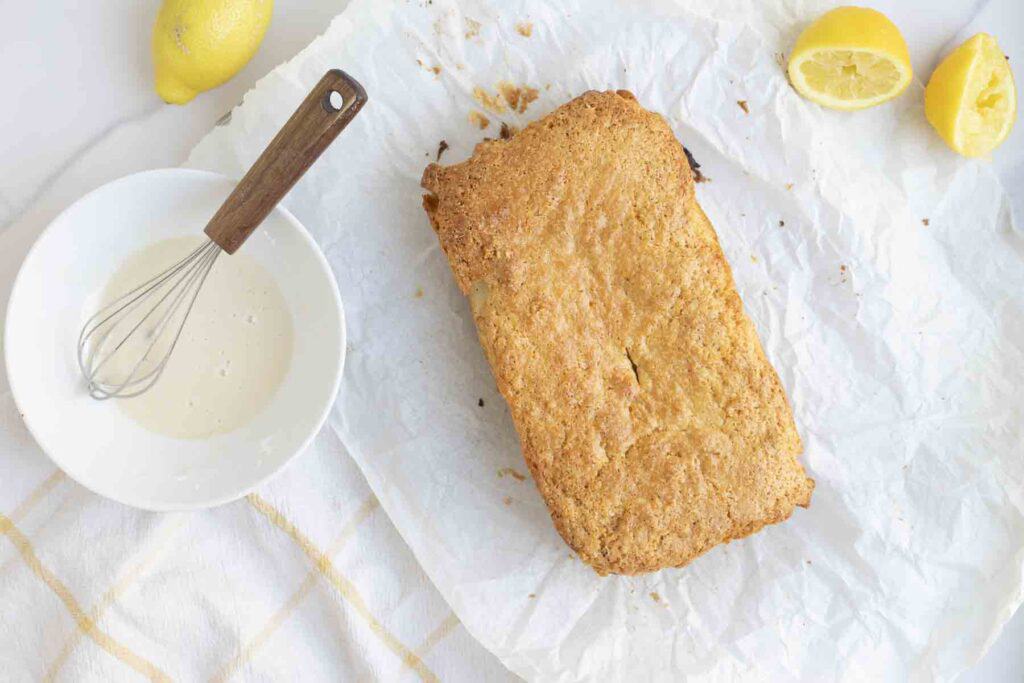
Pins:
<point x="324" y="113"/>
<point x="179" y="283"/>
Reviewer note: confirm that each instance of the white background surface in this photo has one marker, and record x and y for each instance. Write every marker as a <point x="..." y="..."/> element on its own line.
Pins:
<point x="79" y="110"/>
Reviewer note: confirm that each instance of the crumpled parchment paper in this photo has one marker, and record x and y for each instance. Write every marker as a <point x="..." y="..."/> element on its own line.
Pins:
<point x="884" y="275"/>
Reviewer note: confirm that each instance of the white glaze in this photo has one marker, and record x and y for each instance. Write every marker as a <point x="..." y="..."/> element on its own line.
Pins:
<point x="234" y="351"/>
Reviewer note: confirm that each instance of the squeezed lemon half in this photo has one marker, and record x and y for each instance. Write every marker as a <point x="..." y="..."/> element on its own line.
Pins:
<point x="971" y="99"/>
<point x="850" y="58"/>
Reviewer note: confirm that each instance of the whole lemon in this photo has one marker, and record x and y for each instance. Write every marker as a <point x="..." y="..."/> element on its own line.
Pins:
<point x="199" y="44"/>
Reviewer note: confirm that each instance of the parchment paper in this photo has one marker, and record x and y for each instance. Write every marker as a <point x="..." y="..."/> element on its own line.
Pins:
<point x="884" y="275"/>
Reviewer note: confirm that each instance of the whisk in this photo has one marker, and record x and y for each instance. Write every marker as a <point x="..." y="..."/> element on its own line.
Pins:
<point x="124" y="347"/>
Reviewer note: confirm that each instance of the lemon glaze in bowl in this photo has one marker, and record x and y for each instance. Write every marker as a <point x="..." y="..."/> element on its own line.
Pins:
<point x="94" y="442"/>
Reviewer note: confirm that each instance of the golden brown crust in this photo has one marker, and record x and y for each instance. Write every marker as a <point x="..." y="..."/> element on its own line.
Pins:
<point x="651" y="420"/>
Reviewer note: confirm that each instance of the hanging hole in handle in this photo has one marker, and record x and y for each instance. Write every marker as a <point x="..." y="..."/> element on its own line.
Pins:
<point x="334" y="101"/>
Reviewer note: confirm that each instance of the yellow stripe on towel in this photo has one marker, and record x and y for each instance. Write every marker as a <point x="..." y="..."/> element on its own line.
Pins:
<point x="87" y="625"/>
<point x="115" y="591"/>
<point x="344" y="586"/>
<point x="37" y="495"/>
<point x="277" y="618"/>
<point x="441" y="632"/>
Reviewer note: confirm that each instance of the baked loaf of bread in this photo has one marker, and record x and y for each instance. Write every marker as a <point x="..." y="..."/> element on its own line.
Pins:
<point x="653" y="424"/>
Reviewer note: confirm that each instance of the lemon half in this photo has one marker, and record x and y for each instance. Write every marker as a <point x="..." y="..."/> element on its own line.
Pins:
<point x="970" y="99"/>
<point x="850" y="58"/>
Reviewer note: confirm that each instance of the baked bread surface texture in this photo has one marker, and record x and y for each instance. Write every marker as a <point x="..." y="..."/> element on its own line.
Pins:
<point x="653" y="424"/>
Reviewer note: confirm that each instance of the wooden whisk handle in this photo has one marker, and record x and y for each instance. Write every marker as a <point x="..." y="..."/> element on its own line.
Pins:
<point x="325" y="112"/>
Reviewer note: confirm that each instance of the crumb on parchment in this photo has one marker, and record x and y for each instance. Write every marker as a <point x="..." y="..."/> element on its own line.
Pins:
<point x="435" y="69"/>
<point x="479" y="120"/>
<point x="698" y="177"/>
<point x="743" y="106"/>
<point x="518" y="97"/>
<point x="492" y="103"/>
<point x="524" y="28"/>
<point x="512" y="473"/>
<point x="509" y="97"/>
<point x="442" y="147"/>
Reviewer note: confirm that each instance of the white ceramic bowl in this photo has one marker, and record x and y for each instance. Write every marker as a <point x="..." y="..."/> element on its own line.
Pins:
<point x="93" y="441"/>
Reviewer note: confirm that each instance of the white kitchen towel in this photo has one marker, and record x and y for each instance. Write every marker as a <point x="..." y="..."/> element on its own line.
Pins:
<point x="306" y="580"/>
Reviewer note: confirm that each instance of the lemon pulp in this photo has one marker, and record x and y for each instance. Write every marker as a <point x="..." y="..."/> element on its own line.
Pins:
<point x="850" y="74"/>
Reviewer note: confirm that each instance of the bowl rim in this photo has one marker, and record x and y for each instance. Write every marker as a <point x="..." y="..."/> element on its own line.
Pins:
<point x="158" y="175"/>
